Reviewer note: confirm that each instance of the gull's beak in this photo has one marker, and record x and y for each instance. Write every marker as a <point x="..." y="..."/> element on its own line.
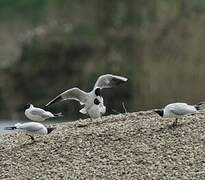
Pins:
<point x="159" y="112"/>
<point x="50" y="130"/>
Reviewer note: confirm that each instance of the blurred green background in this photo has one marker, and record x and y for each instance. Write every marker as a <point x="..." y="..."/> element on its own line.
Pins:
<point x="48" y="46"/>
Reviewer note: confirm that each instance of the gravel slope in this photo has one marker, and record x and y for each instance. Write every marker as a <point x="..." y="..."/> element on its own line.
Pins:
<point x="133" y="146"/>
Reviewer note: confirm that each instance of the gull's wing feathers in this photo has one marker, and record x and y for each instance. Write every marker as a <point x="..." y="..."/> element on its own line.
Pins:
<point x="182" y="109"/>
<point x="109" y="80"/>
<point x="31" y="126"/>
<point x="71" y="94"/>
<point x="39" y="112"/>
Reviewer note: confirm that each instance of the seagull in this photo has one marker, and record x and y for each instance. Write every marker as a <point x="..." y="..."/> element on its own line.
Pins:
<point x="176" y="110"/>
<point x="38" y="114"/>
<point x="92" y="101"/>
<point x="96" y="110"/>
<point x="31" y="128"/>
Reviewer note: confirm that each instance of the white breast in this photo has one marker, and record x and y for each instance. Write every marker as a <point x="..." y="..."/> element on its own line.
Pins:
<point x="94" y="112"/>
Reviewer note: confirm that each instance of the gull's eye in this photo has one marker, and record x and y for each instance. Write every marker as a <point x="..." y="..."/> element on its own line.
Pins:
<point x="96" y="101"/>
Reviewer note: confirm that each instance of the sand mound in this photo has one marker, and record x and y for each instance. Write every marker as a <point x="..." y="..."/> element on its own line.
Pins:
<point x="133" y="146"/>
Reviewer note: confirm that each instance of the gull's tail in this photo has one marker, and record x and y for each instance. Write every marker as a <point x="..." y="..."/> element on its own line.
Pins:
<point x="16" y="126"/>
<point x="83" y="111"/>
<point x="58" y="114"/>
<point x="10" y="128"/>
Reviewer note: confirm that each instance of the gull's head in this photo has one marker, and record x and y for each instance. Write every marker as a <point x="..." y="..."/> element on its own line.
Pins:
<point x="49" y="130"/>
<point x="27" y="106"/>
<point x="160" y="112"/>
<point x="96" y="101"/>
<point x="97" y="92"/>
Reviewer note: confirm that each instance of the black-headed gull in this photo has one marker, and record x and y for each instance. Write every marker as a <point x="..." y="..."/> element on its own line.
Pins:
<point x="88" y="98"/>
<point x="176" y="110"/>
<point x="38" y="114"/>
<point x="96" y="110"/>
<point x="31" y="128"/>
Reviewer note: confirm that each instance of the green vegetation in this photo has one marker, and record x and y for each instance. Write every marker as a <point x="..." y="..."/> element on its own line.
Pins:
<point x="55" y="45"/>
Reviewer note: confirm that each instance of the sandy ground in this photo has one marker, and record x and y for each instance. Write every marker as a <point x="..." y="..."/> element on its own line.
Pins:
<point x="133" y="146"/>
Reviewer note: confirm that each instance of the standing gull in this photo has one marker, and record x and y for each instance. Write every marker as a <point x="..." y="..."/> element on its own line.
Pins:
<point x="176" y="110"/>
<point x="31" y="128"/>
<point x="38" y="114"/>
<point x="92" y="101"/>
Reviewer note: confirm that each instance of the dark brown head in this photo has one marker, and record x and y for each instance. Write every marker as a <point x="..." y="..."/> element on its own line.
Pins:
<point x="49" y="130"/>
<point x="97" y="92"/>
<point x="160" y="112"/>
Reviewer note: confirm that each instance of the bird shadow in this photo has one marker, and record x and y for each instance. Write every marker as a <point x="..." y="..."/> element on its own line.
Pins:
<point x="172" y="127"/>
<point x="25" y="145"/>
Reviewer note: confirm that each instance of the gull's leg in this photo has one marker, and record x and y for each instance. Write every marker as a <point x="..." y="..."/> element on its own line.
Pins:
<point x="175" y="123"/>
<point x="32" y="138"/>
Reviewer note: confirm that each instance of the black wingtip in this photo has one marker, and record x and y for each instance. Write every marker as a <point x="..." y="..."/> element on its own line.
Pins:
<point x="10" y="128"/>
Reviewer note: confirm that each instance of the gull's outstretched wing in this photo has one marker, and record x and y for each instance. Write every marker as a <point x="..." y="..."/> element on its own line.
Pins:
<point x="109" y="80"/>
<point x="71" y="94"/>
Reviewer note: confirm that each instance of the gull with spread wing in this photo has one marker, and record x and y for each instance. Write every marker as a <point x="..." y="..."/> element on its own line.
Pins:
<point x="92" y="101"/>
